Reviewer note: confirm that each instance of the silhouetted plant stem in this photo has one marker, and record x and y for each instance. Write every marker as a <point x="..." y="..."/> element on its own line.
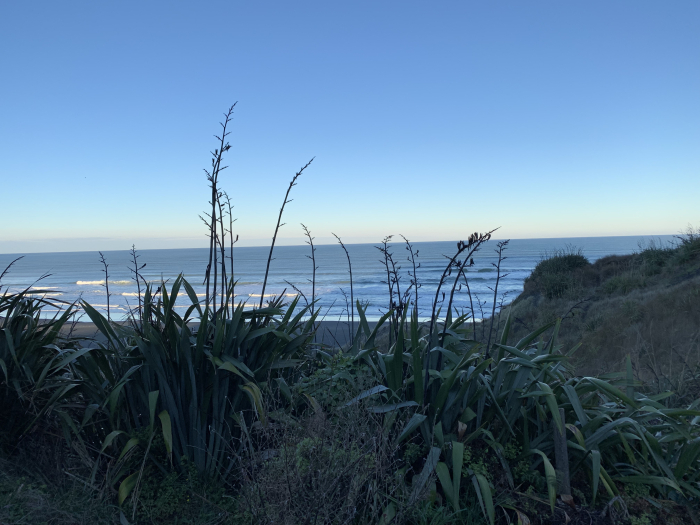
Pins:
<point x="384" y="249"/>
<point x="310" y="242"/>
<point x="279" y="224"/>
<point x="397" y="309"/>
<point x="104" y="263"/>
<point x="231" y="220"/>
<point x="473" y="243"/>
<point x="352" y="297"/>
<point x="414" y="276"/>
<point x="222" y="247"/>
<point x="298" y="291"/>
<point x="481" y="304"/>
<point x="347" y="311"/>
<point x="468" y="260"/>
<point x="138" y="278"/>
<point x="499" y="250"/>
<point x="213" y="178"/>
<point x="501" y="302"/>
<point x="7" y="268"/>
<point x="471" y="302"/>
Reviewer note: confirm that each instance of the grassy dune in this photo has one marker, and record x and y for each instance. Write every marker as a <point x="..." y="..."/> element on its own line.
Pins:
<point x="646" y="305"/>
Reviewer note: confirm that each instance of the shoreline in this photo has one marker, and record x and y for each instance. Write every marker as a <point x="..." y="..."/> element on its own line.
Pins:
<point x="330" y="333"/>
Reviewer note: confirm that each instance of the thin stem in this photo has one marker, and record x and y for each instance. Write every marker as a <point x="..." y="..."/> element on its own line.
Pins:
<point x="7" y="268"/>
<point x="352" y="297"/>
<point x="501" y="246"/>
<point x="473" y="243"/>
<point x="310" y="242"/>
<point x="231" y="220"/>
<point x="104" y="263"/>
<point x="385" y="251"/>
<point x="279" y="224"/>
<point x="471" y="302"/>
<point x="138" y="278"/>
<point x="412" y="260"/>
<point x="213" y="179"/>
<point x="222" y="248"/>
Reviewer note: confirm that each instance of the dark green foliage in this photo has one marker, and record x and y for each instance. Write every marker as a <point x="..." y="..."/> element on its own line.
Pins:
<point x="335" y="380"/>
<point x="559" y="274"/>
<point x="183" y="497"/>
<point x="34" y="364"/>
<point x="241" y="419"/>
<point x="322" y="434"/>
<point x="202" y="385"/>
<point x="617" y="435"/>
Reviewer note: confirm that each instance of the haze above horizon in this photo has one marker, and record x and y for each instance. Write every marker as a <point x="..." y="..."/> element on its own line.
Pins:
<point x="546" y="119"/>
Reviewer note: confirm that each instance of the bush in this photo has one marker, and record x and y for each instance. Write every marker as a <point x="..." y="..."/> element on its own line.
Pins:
<point x="559" y="274"/>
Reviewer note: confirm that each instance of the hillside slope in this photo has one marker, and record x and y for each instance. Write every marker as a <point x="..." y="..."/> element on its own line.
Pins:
<point x="646" y="305"/>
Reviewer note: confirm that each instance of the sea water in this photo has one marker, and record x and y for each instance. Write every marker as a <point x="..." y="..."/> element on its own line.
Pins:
<point x="75" y="276"/>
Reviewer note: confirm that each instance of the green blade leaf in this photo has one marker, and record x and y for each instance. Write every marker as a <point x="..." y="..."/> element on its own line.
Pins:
<point x="167" y="431"/>
<point x="412" y="425"/>
<point x="595" y="471"/>
<point x="444" y="476"/>
<point x="127" y="486"/>
<point x="483" y="488"/>
<point x="550" y="476"/>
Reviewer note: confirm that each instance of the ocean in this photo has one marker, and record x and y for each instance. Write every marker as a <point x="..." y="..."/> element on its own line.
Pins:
<point x="73" y="276"/>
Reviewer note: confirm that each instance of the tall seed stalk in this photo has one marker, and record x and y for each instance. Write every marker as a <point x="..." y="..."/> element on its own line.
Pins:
<point x="414" y="275"/>
<point x="231" y="220"/>
<point x="499" y="250"/>
<point x="280" y="224"/>
<point x="137" y="277"/>
<point x="384" y="249"/>
<point x="222" y="248"/>
<point x="310" y="242"/>
<point x="352" y="296"/>
<point x="471" y="302"/>
<point x="213" y="178"/>
<point x="467" y="248"/>
<point x="106" y="285"/>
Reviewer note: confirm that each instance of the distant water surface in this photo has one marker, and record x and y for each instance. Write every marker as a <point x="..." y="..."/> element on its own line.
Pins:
<point x="74" y="275"/>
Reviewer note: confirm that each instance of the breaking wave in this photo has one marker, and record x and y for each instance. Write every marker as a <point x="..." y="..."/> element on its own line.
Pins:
<point x="83" y="283"/>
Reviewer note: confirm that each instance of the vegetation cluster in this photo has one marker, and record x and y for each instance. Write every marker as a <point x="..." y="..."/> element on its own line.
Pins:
<point x="645" y="305"/>
<point x="233" y="415"/>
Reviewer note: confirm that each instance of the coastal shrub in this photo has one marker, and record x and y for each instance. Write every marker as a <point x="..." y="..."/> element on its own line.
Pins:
<point x="35" y="365"/>
<point x="688" y="245"/>
<point x="653" y="257"/>
<point x="558" y="274"/>
<point x="617" y="434"/>
<point x="335" y="379"/>
<point x="201" y="384"/>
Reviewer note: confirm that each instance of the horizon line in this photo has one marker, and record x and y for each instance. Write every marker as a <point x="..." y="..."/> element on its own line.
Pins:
<point x="336" y="243"/>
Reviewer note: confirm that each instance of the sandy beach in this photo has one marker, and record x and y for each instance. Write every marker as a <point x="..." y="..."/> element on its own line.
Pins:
<point x="331" y="333"/>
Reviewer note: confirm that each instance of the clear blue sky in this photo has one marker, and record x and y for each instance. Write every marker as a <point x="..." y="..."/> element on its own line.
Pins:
<point x="431" y="119"/>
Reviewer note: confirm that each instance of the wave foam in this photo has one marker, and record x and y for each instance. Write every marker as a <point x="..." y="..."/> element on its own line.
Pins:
<point x="270" y="295"/>
<point x="83" y="283"/>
